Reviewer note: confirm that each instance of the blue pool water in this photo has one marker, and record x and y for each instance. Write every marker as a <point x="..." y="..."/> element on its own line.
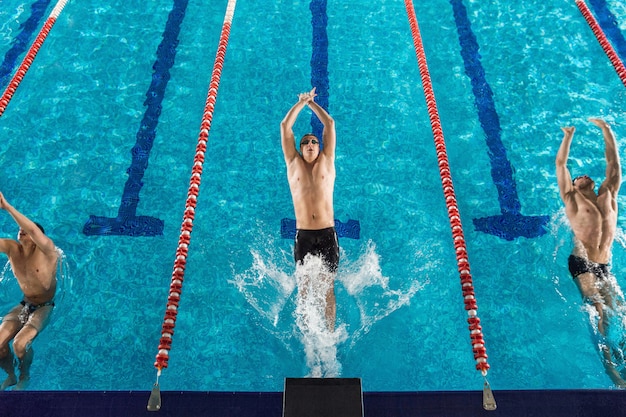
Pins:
<point x="114" y="76"/>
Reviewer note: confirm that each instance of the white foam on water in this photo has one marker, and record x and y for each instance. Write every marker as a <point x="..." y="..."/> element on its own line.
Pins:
<point x="268" y="289"/>
<point x="365" y="282"/>
<point x="265" y="286"/>
<point x="320" y="341"/>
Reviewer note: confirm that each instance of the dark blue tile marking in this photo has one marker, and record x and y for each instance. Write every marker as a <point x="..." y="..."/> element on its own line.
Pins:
<point x="127" y="222"/>
<point x="319" y="79"/>
<point x="608" y="23"/>
<point x="350" y="229"/>
<point x="319" y="62"/>
<point x="511" y="223"/>
<point x="22" y="41"/>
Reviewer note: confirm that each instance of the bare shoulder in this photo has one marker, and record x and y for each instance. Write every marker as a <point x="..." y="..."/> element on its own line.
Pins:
<point x="52" y="253"/>
<point x="9" y="246"/>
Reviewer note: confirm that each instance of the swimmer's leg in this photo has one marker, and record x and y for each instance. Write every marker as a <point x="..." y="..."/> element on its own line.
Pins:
<point x="303" y="281"/>
<point x="24" y="352"/>
<point x="24" y="368"/>
<point x="595" y="294"/>
<point x="7" y="363"/>
<point x="588" y="286"/>
<point x="331" y="309"/>
<point x="609" y="367"/>
<point x="331" y="303"/>
<point x="8" y="329"/>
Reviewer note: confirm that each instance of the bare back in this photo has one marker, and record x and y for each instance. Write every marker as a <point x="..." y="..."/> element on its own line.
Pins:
<point x="312" y="186"/>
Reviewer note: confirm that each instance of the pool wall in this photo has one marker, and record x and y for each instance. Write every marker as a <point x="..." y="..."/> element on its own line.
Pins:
<point x="570" y="403"/>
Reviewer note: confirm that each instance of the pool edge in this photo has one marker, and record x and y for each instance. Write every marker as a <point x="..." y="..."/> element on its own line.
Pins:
<point x="511" y="403"/>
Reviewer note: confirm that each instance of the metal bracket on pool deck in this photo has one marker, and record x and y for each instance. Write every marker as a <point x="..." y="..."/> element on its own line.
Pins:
<point x="350" y="229"/>
<point x="328" y="397"/>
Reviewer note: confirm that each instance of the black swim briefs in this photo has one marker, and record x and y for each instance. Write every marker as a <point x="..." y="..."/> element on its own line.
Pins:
<point x="578" y="266"/>
<point x="321" y="243"/>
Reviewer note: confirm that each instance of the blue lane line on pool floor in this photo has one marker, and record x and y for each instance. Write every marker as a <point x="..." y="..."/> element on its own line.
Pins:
<point x="608" y="23"/>
<point x="21" y="43"/>
<point x="319" y="62"/>
<point x="319" y="79"/>
<point x="127" y="222"/>
<point x="510" y="224"/>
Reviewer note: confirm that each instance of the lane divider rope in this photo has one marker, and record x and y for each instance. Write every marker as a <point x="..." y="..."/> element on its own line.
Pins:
<point x="30" y="56"/>
<point x="178" y="273"/>
<point x="467" y="286"/>
<point x="604" y="41"/>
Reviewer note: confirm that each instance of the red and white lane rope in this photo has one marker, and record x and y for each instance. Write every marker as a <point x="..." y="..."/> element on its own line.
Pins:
<point x="604" y="41"/>
<point x="30" y="56"/>
<point x="180" y="262"/>
<point x="467" y="286"/>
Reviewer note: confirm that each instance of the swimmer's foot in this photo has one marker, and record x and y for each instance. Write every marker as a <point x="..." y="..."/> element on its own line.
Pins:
<point x="615" y="376"/>
<point x="23" y="383"/>
<point x="9" y="382"/>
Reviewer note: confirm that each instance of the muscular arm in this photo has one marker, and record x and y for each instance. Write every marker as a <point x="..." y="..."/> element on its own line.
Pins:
<point x="42" y="241"/>
<point x="328" y="134"/>
<point x="613" y="168"/>
<point x="563" y="176"/>
<point x="6" y="245"/>
<point x="288" y="139"/>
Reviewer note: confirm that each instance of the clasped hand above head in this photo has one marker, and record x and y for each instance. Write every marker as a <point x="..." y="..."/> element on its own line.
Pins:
<point x="307" y="97"/>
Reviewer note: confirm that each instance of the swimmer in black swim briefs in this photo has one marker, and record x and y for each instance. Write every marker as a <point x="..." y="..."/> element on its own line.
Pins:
<point x="593" y="216"/>
<point x="599" y="293"/>
<point x="579" y="266"/>
<point x="311" y="175"/>
<point x="321" y="243"/>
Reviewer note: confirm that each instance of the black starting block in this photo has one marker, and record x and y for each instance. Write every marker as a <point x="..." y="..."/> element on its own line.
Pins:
<point x="323" y="397"/>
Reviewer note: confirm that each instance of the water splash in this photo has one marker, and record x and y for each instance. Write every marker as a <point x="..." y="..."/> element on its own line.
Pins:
<point x="269" y="289"/>
<point x="10" y="292"/>
<point x="320" y="341"/>
<point x="65" y="283"/>
<point x="366" y="283"/>
<point x="3" y="277"/>
<point x="265" y="287"/>
<point x="561" y="232"/>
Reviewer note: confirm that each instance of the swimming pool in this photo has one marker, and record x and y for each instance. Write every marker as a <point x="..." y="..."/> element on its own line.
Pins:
<point x="67" y="137"/>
